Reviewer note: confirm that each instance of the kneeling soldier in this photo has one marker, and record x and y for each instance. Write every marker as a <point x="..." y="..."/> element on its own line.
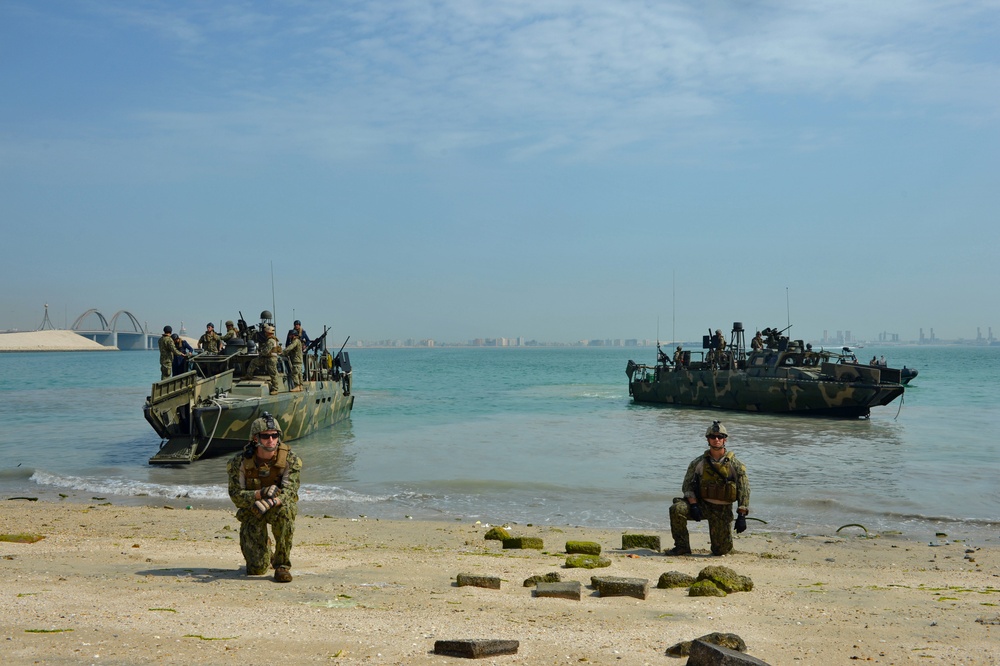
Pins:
<point x="714" y="480"/>
<point x="264" y="486"/>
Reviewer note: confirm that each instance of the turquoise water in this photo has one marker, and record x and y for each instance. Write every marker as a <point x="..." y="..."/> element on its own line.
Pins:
<point x="541" y="435"/>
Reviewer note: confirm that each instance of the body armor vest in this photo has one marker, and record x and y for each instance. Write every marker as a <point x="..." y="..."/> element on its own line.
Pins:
<point x="717" y="480"/>
<point x="267" y="474"/>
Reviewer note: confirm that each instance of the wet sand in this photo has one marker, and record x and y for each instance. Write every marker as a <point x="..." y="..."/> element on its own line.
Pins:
<point x="152" y="584"/>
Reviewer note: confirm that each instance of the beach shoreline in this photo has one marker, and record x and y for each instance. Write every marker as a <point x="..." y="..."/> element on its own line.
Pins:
<point x="135" y="584"/>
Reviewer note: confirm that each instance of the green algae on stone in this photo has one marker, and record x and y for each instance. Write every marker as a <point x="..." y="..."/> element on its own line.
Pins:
<point x="705" y="588"/>
<point x="535" y="543"/>
<point x="672" y="579"/>
<point x="583" y="547"/>
<point x="497" y="534"/>
<point x="726" y="579"/>
<point x="580" y="561"/>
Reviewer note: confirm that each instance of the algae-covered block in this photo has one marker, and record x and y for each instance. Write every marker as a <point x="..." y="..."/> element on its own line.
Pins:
<point x="523" y="542"/>
<point x="587" y="562"/>
<point x="631" y="541"/>
<point x="583" y="547"/>
<point x="489" y="582"/>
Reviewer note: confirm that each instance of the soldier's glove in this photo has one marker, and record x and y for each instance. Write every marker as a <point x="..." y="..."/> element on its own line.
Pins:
<point x="694" y="511"/>
<point x="261" y="506"/>
<point x="741" y="523"/>
<point x="269" y="492"/>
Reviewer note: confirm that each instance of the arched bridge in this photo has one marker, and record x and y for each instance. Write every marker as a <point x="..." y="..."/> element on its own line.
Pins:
<point x="133" y="335"/>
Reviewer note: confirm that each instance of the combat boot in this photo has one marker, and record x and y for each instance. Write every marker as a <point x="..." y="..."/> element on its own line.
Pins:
<point x="677" y="551"/>
<point x="282" y="575"/>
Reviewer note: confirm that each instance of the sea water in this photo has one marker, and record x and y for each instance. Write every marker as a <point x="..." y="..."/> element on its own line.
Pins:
<point x="533" y="435"/>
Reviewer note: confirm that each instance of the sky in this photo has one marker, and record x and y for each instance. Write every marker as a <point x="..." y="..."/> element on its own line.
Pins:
<point x="460" y="169"/>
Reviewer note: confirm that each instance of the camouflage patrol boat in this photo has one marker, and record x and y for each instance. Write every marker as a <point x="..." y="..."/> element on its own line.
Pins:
<point x="783" y="376"/>
<point x="208" y="410"/>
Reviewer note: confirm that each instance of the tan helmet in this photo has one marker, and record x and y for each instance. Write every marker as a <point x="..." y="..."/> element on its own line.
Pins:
<point x="265" y="422"/>
<point x="716" y="429"/>
<point x="268" y="328"/>
<point x="229" y="322"/>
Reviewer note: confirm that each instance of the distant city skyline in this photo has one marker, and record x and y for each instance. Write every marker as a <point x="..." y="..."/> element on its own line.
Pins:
<point x="91" y="319"/>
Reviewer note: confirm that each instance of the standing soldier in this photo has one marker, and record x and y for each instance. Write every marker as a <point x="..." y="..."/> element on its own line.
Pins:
<point x="264" y="486"/>
<point x="298" y="330"/>
<point x="168" y="350"/>
<point x="293" y="350"/>
<point x="267" y="358"/>
<point x="679" y="358"/>
<point x="714" y="480"/>
<point x="210" y="341"/>
<point x="230" y="333"/>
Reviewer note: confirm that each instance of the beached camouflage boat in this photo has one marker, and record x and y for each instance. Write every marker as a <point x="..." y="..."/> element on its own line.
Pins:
<point x="207" y="411"/>
<point x="783" y="376"/>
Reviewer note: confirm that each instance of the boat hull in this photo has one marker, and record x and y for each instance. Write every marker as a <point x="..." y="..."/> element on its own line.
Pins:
<point x="202" y="418"/>
<point x="743" y="391"/>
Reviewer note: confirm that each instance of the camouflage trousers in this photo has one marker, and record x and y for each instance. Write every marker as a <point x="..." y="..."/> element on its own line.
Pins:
<point x="720" y="525"/>
<point x="166" y="369"/>
<point x="265" y="366"/>
<point x="297" y="374"/>
<point x="255" y="544"/>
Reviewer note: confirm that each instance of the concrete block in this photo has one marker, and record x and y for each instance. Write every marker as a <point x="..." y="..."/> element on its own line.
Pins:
<point x="617" y="586"/>
<point x="490" y="582"/>
<point x="475" y="648"/>
<point x="568" y="590"/>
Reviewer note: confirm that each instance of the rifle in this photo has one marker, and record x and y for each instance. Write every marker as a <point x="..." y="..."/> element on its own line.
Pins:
<point x="314" y="344"/>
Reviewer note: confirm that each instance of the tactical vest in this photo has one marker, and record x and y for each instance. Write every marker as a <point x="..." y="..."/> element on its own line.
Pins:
<point x="265" y="475"/>
<point x="717" y="481"/>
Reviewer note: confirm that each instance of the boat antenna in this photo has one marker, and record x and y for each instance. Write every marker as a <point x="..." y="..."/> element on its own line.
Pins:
<point x="673" y="309"/>
<point x="788" y="312"/>
<point x="274" y="309"/>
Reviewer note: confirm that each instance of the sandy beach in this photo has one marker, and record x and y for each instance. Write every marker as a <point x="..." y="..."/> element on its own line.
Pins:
<point x="48" y="340"/>
<point x="165" y="584"/>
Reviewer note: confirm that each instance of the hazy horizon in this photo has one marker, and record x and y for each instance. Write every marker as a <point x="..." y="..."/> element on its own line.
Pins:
<point x="467" y="169"/>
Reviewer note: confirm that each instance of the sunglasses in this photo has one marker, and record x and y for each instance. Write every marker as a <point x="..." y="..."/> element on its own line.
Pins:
<point x="717" y="437"/>
<point x="268" y="435"/>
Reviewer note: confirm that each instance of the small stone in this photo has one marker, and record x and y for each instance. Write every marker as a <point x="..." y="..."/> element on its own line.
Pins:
<point x="542" y="578"/>
<point x="497" y="534"/>
<point x="672" y="579"/>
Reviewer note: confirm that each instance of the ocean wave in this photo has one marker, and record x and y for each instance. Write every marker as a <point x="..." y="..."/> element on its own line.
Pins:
<point x="122" y="487"/>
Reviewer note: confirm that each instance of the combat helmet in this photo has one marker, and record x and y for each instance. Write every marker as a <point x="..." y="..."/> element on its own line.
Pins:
<point x="716" y="429"/>
<point x="265" y="422"/>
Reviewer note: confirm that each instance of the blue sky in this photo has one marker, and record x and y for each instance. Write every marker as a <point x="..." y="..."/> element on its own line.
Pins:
<point x="458" y="169"/>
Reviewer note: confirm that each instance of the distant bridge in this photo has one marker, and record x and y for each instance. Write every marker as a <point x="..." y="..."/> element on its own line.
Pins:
<point x="108" y="334"/>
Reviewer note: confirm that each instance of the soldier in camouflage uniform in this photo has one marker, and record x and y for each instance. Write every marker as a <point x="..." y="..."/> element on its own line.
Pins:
<point x="264" y="486"/>
<point x="293" y="350"/>
<point x="267" y="359"/>
<point x="168" y="350"/>
<point x="210" y="341"/>
<point x="230" y="333"/>
<point x="714" y="480"/>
